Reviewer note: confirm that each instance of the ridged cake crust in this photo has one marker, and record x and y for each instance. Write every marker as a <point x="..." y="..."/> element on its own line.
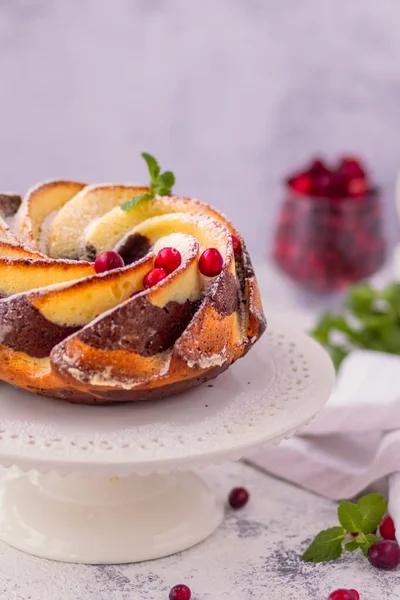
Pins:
<point x="67" y="332"/>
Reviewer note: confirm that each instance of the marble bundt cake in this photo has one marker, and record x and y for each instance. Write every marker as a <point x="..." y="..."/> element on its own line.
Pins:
<point x="120" y="292"/>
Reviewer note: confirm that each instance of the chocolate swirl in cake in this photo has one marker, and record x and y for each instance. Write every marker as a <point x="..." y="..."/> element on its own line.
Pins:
<point x="69" y="332"/>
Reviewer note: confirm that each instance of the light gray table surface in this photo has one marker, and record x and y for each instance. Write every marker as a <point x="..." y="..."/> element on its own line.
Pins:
<point x="254" y="555"/>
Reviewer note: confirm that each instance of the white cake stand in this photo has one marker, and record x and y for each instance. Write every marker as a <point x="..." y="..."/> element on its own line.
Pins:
<point x="112" y="484"/>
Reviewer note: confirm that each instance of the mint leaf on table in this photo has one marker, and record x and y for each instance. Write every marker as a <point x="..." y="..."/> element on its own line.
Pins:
<point x="372" y="508"/>
<point x="326" y="546"/>
<point x="365" y="541"/>
<point x="351" y="546"/>
<point x="360" y="519"/>
<point x="368" y="319"/>
<point x="338" y="355"/>
<point x="391" y="294"/>
<point x="350" y="517"/>
<point x="161" y="184"/>
<point x="361" y="299"/>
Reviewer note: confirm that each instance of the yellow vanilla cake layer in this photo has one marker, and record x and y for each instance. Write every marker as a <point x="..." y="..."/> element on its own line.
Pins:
<point x="65" y="238"/>
<point x="105" y="232"/>
<point x="78" y="303"/>
<point x="10" y="249"/>
<point x="39" y="203"/>
<point x="22" y="274"/>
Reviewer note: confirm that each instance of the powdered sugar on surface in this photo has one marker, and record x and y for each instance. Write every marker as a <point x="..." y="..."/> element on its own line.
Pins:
<point x="254" y="555"/>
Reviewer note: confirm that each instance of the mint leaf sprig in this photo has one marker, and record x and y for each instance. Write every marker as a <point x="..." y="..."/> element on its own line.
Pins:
<point x="369" y="319"/>
<point x="362" y="518"/>
<point x="161" y="184"/>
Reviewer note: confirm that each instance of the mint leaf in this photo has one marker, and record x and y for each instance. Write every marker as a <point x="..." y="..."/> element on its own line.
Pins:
<point x="366" y="541"/>
<point x="361" y="299"/>
<point x="369" y="319"/>
<point x="372" y="508"/>
<point x="391" y="295"/>
<point x="129" y="204"/>
<point x="338" y="355"/>
<point x="350" y="516"/>
<point x="326" y="546"/>
<point x="351" y="546"/>
<point x="160" y="183"/>
<point x="152" y="165"/>
<point x="163" y="184"/>
<point x="323" y="328"/>
<point x="168" y="179"/>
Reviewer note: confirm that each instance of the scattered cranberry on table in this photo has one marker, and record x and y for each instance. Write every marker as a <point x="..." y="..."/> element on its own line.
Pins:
<point x="344" y="595"/>
<point x="211" y="262"/>
<point x="153" y="277"/>
<point x="236" y="244"/>
<point x="238" y="498"/>
<point x="330" y="230"/>
<point x="180" y="592"/>
<point x="107" y="261"/>
<point x="385" y="554"/>
<point x="169" y="259"/>
<point x="387" y="528"/>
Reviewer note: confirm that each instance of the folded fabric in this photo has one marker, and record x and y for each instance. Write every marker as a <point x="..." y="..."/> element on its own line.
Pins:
<point x="354" y="442"/>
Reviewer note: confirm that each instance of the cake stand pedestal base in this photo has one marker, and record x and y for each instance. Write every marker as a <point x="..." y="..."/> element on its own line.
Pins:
<point x="105" y="520"/>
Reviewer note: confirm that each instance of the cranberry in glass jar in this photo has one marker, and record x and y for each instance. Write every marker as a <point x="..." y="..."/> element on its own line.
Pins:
<point x="330" y="229"/>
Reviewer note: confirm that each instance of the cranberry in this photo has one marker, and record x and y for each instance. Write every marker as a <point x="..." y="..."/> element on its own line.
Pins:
<point x="211" y="262"/>
<point x="237" y="245"/>
<point x="357" y="187"/>
<point x="338" y="186"/>
<point x="387" y="528"/>
<point x="168" y="259"/>
<point x="301" y="183"/>
<point x="321" y="184"/>
<point x="180" y="592"/>
<point x="384" y="555"/>
<point x="350" y="167"/>
<point x="317" y="166"/>
<point x="238" y="498"/>
<point x="344" y="595"/>
<point x="107" y="261"/>
<point x="153" y="277"/>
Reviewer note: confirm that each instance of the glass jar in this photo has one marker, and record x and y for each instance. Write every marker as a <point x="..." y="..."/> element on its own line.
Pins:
<point x="327" y="243"/>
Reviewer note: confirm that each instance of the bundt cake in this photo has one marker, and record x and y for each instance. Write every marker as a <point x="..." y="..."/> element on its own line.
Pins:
<point x="120" y="292"/>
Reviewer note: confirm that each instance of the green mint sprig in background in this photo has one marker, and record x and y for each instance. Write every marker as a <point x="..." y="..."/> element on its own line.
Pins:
<point x="161" y="184"/>
<point x="362" y="518"/>
<point x="369" y="319"/>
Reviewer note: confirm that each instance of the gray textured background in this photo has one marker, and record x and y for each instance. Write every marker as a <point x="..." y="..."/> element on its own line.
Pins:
<point x="228" y="93"/>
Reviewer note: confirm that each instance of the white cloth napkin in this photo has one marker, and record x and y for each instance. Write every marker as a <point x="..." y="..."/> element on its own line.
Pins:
<point x="354" y="442"/>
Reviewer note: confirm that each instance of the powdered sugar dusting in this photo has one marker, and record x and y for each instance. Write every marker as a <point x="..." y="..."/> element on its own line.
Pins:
<point x="182" y="242"/>
<point x="4" y="331"/>
<point x="189" y="226"/>
<point x="106" y="378"/>
<point x="45" y="231"/>
<point x="207" y="362"/>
